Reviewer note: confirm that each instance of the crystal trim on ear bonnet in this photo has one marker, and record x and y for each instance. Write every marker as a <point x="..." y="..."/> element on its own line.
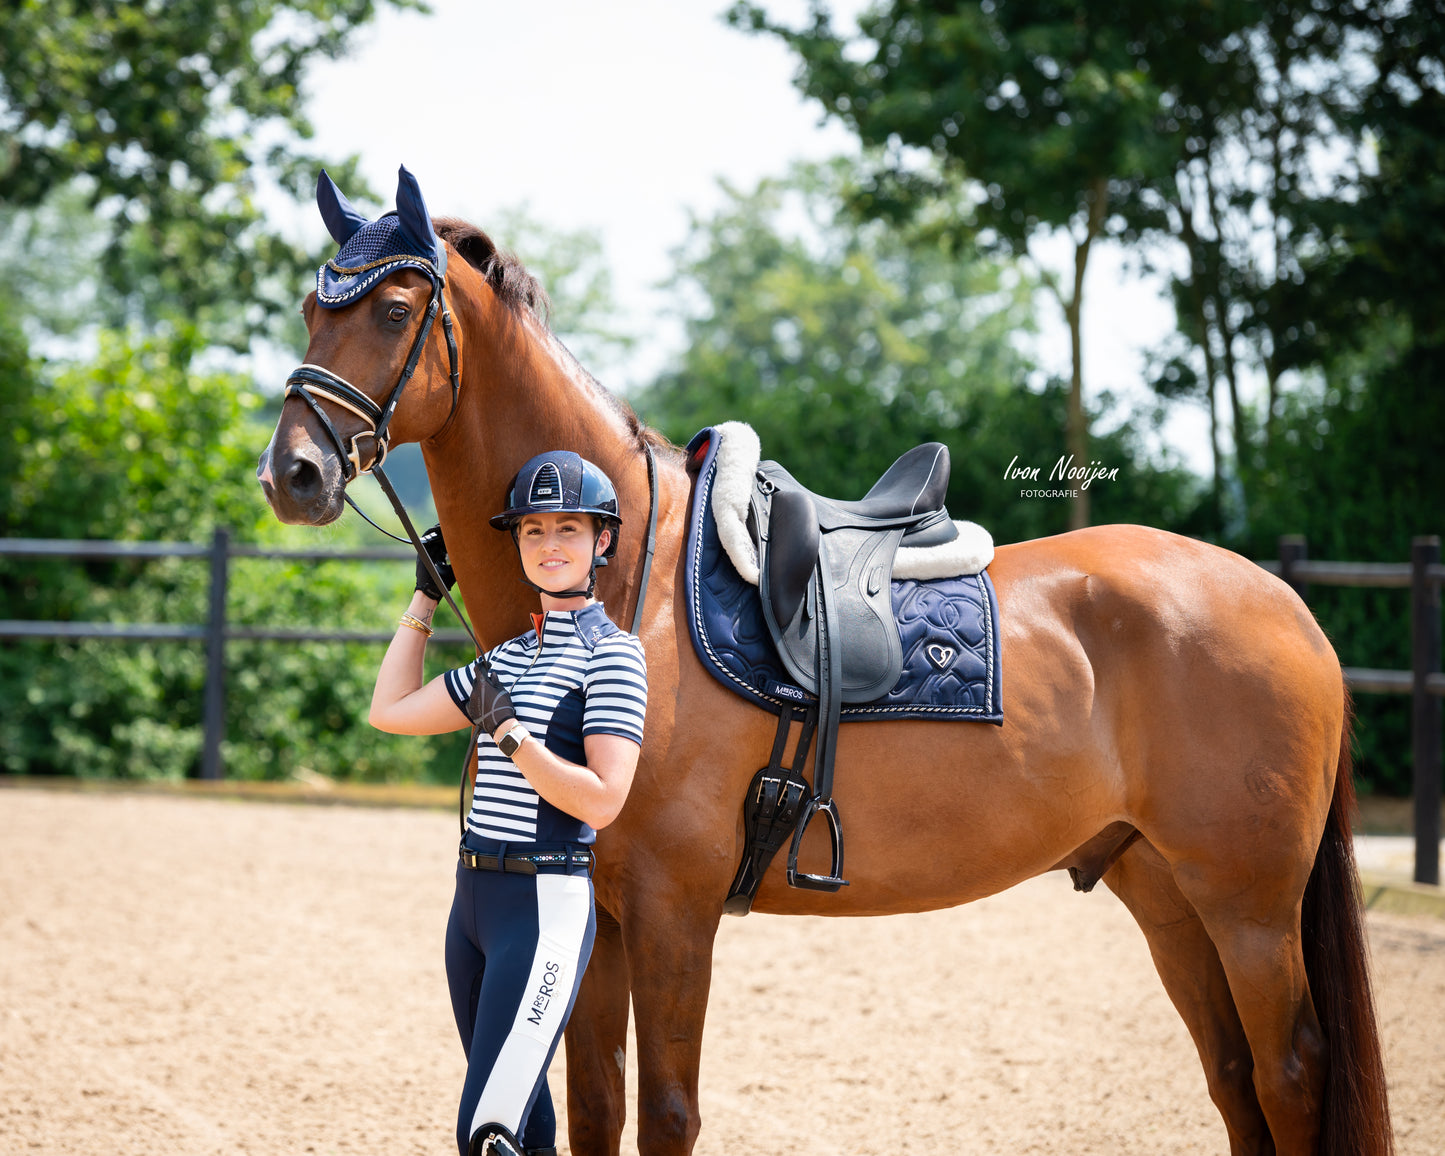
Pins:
<point x="371" y="250"/>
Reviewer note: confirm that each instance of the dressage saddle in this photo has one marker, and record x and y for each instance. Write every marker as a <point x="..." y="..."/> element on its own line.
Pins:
<point x="825" y="580"/>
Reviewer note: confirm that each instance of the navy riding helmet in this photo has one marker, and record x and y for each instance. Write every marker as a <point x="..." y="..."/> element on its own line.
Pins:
<point x="558" y="481"/>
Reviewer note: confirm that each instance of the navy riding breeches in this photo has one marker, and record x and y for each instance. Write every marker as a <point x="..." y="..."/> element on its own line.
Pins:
<point x="515" y="951"/>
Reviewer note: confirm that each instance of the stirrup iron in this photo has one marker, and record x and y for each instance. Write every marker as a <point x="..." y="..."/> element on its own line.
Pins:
<point x="834" y="880"/>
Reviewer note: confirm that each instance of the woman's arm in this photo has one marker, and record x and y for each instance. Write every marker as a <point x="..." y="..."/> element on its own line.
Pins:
<point x="401" y="704"/>
<point x="594" y="793"/>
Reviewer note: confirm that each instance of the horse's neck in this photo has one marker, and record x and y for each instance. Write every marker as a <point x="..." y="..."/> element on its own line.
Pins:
<point x="521" y="394"/>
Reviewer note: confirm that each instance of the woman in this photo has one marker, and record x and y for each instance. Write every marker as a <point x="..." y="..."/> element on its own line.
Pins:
<point x="560" y="712"/>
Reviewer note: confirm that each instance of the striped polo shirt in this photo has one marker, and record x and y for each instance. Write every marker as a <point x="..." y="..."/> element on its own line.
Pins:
<point x="576" y="674"/>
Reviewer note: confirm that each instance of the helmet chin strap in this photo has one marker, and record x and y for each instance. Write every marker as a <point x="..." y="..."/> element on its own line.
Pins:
<point x="591" y="585"/>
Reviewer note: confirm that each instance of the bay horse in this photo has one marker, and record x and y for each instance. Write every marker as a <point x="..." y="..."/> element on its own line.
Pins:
<point x="1175" y="723"/>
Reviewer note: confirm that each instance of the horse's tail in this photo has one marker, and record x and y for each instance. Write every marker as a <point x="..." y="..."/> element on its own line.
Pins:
<point x="1356" y="1120"/>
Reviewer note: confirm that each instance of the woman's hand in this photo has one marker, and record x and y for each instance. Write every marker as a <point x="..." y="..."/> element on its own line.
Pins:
<point x="490" y="705"/>
<point x="436" y="549"/>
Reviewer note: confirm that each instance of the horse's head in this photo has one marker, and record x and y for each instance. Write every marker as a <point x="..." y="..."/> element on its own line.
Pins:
<point x="371" y="324"/>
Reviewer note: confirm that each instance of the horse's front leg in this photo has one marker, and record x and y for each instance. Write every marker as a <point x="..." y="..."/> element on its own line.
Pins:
<point x="669" y="936"/>
<point x="597" y="1047"/>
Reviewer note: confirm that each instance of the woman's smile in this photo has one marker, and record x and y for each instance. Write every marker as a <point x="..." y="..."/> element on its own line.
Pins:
<point x="557" y="549"/>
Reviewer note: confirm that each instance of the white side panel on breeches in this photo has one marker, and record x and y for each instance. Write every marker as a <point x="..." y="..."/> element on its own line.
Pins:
<point x="564" y="903"/>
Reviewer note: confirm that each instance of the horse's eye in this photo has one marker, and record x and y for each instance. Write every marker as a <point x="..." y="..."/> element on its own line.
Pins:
<point x="397" y="313"/>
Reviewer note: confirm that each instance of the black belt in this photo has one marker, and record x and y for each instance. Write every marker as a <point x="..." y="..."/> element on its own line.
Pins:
<point x="526" y="864"/>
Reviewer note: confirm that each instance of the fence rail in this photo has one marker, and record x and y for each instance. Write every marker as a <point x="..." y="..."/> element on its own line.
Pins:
<point x="1423" y="575"/>
<point x="216" y="632"/>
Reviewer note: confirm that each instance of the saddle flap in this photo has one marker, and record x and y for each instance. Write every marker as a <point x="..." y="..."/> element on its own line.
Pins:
<point x="791" y="554"/>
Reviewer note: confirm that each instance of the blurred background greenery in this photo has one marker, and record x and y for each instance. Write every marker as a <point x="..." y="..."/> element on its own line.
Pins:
<point x="1280" y="164"/>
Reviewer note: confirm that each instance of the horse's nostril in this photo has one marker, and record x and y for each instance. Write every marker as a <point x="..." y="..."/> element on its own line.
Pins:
<point x="302" y="480"/>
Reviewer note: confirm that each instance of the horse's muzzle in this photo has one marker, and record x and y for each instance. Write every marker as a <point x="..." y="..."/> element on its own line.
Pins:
<point x="303" y="488"/>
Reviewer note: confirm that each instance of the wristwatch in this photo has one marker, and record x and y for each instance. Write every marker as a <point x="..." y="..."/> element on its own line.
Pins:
<point x="510" y="742"/>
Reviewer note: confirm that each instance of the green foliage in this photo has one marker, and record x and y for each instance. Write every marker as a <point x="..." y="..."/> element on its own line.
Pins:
<point x="165" y="115"/>
<point x="1050" y="113"/>
<point x="139" y="446"/>
<point x="1040" y="102"/>
<point x="1357" y="460"/>
<point x="845" y="343"/>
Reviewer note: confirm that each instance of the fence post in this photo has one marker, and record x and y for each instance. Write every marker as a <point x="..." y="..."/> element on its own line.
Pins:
<point x="211" y="767"/>
<point x="1425" y="660"/>
<point x="1293" y="548"/>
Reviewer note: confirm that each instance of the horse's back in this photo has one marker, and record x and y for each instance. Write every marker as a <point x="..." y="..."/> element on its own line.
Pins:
<point x="1134" y="584"/>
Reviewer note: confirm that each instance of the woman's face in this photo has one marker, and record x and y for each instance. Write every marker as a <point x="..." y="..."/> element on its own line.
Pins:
<point x="557" y="549"/>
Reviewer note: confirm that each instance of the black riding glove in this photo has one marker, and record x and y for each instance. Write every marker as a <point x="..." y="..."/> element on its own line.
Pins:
<point x="437" y="551"/>
<point x="489" y="705"/>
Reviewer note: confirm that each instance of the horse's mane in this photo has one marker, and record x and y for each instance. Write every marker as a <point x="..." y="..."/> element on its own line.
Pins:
<point x="509" y="279"/>
<point x="519" y="290"/>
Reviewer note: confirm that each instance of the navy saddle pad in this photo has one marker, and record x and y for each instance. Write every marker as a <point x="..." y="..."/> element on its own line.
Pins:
<point x="949" y="626"/>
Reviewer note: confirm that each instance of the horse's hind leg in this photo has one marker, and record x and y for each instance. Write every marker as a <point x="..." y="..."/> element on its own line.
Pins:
<point x="1259" y="946"/>
<point x="597" y="1048"/>
<point x="1195" y="980"/>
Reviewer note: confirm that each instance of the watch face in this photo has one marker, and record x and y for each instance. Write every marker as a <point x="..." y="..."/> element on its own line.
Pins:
<point x="510" y="742"/>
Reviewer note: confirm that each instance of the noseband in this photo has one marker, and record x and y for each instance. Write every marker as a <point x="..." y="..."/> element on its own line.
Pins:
<point x="310" y="382"/>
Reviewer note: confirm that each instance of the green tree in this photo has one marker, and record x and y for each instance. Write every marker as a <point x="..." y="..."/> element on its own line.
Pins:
<point x="1255" y="102"/>
<point x="165" y="117"/>
<point x="1049" y="108"/>
<point x="844" y="343"/>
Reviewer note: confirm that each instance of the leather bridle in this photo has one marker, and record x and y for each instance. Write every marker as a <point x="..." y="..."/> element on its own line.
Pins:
<point x="310" y="382"/>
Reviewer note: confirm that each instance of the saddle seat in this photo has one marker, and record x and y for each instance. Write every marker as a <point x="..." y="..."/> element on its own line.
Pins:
<point x="822" y="574"/>
<point x="825" y="576"/>
<point x="915" y="484"/>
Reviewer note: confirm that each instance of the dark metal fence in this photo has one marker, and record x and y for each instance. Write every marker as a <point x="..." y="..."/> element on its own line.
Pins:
<point x="1424" y="682"/>
<point x="216" y="632"/>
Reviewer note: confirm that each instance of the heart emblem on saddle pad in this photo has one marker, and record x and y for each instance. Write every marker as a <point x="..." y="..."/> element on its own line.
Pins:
<point x="940" y="656"/>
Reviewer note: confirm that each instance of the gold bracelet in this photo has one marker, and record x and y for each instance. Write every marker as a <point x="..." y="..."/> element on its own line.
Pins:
<point x="411" y="620"/>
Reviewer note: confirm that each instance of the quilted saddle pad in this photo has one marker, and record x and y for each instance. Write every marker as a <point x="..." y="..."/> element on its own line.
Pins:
<point x="952" y="667"/>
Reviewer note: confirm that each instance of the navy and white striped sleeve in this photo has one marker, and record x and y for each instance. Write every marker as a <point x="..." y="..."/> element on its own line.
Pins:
<point x="616" y="689"/>
<point x="459" y="682"/>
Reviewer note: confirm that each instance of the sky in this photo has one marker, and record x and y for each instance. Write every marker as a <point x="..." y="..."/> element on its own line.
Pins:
<point x="621" y="119"/>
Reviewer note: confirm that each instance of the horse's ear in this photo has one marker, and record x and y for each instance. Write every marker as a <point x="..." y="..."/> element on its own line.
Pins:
<point x="341" y="219"/>
<point x="413" y="218"/>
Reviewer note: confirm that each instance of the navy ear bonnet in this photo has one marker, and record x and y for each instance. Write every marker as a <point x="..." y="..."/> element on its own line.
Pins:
<point x="372" y="250"/>
<point x="561" y="480"/>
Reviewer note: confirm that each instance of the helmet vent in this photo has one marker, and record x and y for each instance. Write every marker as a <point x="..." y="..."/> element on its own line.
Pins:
<point x="546" y="486"/>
